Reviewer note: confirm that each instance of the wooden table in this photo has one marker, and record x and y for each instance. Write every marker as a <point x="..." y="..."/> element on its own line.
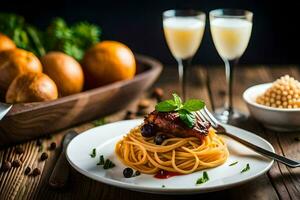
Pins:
<point x="280" y="182"/>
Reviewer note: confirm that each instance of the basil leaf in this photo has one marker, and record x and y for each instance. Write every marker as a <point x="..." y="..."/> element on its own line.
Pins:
<point x="193" y="105"/>
<point x="177" y="100"/>
<point x="203" y="179"/>
<point x="166" y="106"/>
<point x="187" y="117"/>
<point x="93" y="154"/>
<point x="234" y="163"/>
<point x="247" y="168"/>
<point x="99" y="122"/>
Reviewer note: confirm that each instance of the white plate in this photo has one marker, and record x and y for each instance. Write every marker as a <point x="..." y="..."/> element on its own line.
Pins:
<point x="104" y="138"/>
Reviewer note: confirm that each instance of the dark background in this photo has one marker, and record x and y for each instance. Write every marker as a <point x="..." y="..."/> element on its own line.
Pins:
<point x="138" y="23"/>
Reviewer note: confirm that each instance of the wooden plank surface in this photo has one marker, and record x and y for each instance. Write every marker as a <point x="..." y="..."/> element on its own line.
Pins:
<point x="279" y="183"/>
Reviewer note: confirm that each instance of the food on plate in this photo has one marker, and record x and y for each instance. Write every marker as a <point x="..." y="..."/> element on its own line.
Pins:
<point x="65" y="71"/>
<point x="107" y="62"/>
<point x="31" y="87"/>
<point x="172" y="141"/>
<point x="284" y="93"/>
<point x="15" y="62"/>
<point x="6" y="43"/>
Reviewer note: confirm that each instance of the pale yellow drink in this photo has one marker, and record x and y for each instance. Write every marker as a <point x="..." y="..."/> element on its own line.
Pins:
<point x="183" y="35"/>
<point x="230" y="36"/>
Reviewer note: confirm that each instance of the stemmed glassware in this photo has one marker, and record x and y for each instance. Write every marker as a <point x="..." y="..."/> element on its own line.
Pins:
<point x="231" y="31"/>
<point x="183" y="31"/>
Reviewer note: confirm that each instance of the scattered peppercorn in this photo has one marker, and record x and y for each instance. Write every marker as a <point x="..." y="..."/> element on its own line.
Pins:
<point x="128" y="172"/>
<point x="137" y="173"/>
<point x="158" y="93"/>
<point x="158" y="139"/>
<point x="19" y="150"/>
<point x="6" y="165"/>
<point x="44" y="156"/>
<point x="16" y="163"/>
<point x="27" y="170"/>
<point x="36" y="172"/>
<point x="52" y="146"/>
<point x="144" y="103"/>
<point x="130" y="115"/>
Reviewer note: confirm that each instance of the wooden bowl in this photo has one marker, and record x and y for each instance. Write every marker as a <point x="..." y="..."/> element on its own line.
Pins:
<point x="30" y="120"/>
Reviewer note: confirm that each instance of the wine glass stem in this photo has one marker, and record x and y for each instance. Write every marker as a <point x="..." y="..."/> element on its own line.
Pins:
<point x="229" y="68"/>
<point x="183" y="64"/>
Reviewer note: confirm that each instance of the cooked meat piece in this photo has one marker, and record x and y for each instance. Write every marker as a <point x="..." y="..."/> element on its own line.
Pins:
<point x="170" y="123"/>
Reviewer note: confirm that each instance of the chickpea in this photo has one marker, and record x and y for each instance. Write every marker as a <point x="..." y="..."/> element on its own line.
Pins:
<point x="284" y="93"/>
<point x="284" y="103"/>
<point x="273" y="95"/>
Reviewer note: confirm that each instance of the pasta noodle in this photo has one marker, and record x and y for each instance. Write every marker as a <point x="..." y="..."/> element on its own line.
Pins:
<point x="181" y="155"/>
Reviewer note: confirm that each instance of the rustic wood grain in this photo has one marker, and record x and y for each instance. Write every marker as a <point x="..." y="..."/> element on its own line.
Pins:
<point x="279" y="183"/>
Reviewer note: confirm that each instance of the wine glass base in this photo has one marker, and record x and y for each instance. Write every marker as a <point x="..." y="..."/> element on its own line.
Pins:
<point x="228" y="117"/>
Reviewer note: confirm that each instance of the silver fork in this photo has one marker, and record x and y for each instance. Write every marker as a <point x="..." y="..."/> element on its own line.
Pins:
<point x="4" y="108"/>
<point x="205" y="115"/>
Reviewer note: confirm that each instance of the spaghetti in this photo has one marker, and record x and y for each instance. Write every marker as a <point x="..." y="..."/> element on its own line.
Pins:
<point x="181" y="155"/>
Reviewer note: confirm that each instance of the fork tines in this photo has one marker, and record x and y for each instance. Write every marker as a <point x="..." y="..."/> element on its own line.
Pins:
<point x="206" y="116"/>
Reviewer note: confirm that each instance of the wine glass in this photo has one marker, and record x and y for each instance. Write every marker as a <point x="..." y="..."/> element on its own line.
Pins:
<point x="183" y="30"/>
<point x="231" y="31"/>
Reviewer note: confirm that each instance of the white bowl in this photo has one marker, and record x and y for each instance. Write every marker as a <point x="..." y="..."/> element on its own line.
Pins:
<point x="279" y="119"/>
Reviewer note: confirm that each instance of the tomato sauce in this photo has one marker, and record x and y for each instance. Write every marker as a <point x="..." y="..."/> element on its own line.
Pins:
<point x="162" y="174"/>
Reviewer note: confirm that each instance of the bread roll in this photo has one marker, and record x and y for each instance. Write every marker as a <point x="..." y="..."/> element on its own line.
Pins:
<point x="6" y="43"/>
<point x="31" y="87"/>
<point x="15" y="62"/>
<point x="65" y="71"/>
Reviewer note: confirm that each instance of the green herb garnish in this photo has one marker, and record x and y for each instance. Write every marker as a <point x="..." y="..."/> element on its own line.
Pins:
<point x="108" y="164"/>
<point x="101" y="160"/>
<point x="247" y="168"/>
<point x="111" y="165"/>
<point x="185" y="110"/>
<point x="99" y="122"/>
<point x="93" y="154"/>
<point x="203" y="179"/>
<point x="163" y="186"/>
<point x="234" y="163"/>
